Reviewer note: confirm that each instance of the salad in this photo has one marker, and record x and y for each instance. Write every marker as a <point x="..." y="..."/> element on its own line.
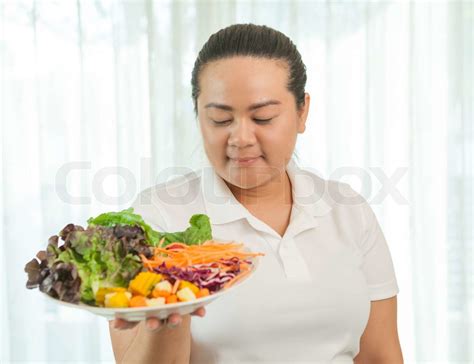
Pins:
<point x="120" y="261"/>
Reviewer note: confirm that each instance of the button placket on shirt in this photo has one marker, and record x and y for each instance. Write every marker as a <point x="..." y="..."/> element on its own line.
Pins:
<point x="294" y="265"/>
<point x="293" y="262"/>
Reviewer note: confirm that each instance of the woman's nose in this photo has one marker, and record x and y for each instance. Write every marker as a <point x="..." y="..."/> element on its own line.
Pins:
<point x="242" y="134"/>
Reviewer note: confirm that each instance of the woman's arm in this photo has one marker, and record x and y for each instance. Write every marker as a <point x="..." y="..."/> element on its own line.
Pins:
<point x="379" y="343"/>
<point x="140" y="345"/>
<point x="152" y="342"/>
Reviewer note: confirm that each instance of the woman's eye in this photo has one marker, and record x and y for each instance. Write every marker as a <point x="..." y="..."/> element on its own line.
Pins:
<point x="262" y="121"/>
<point x="221" y="122"/>
<point x="224" y="122"/>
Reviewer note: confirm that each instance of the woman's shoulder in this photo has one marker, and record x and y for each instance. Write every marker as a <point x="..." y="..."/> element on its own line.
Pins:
<point x="182" y="181"/>
<point x="346" y="210"/>
<point x="334" y="200"/>
<point x="337" y="194"/>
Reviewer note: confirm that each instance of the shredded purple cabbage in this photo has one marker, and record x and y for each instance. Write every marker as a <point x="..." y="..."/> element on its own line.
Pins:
<point x="203" y="275"/>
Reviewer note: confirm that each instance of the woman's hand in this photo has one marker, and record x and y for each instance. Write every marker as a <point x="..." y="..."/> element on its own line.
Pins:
<point x="155" y="324"/>
<point x="153" y="340"/>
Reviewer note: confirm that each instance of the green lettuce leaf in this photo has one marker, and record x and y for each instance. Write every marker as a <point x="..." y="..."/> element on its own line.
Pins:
<point x="100" y="258"/>
<point x="199" y="231"/>
<point x="105" y="254"/>
<point x="125" y="217"/>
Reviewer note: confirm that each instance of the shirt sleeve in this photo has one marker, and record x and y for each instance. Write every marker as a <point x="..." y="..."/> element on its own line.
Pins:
<point x="377" y="261"/>
<point x="146" y="206"/>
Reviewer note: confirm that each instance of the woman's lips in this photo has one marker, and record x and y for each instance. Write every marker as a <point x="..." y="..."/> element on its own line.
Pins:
<point x="245" y="161"/>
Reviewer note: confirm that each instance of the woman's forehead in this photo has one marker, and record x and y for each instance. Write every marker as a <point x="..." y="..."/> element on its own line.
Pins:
<point x="234" y="68"/>
<point x="243" y="81"/>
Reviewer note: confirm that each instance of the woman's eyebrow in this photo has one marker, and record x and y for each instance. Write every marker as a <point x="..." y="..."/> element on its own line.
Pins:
<point x="250" y="108"/>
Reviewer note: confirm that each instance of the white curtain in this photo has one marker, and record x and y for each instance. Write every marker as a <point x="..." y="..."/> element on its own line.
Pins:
<point x="95" y="103"/>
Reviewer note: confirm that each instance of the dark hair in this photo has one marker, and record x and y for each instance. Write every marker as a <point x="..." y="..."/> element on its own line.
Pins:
<point x="252" y="40"/>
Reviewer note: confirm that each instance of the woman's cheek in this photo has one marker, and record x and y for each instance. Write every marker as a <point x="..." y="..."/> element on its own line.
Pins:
<point x="286" y="144"/>
<point x="216" y="147"/>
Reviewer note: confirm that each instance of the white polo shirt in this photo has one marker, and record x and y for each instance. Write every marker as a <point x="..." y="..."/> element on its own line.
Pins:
<point x="309" y="300"/>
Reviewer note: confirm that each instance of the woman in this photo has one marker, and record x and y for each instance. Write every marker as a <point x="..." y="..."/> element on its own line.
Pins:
<point x="326" y="289"/>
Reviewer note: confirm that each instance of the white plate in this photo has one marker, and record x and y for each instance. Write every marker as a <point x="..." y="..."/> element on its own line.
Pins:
<point x="141" y="313"/>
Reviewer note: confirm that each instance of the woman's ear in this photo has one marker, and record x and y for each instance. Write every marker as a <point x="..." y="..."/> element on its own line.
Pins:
<point x="303" y="114"/>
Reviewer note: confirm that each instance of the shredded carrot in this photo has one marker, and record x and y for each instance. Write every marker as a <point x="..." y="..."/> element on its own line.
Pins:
<point x="161" y="242"/>
<point x="175" y="286"/>
<point x="182" y="255"/>
<point x="212" y="253"/>
<point x="182" y="245"/>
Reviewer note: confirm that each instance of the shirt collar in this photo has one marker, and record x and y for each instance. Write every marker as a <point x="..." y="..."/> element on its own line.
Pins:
<point x="309" y="190"/>
<point x="221" y="205"/>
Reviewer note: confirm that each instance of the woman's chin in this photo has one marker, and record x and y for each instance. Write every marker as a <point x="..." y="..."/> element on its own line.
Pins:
<point x="249" y="178"/>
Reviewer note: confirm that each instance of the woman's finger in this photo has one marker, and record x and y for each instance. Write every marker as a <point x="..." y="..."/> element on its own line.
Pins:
<point x="174" y="320"/>
<point x="154" y="324"/>
<point x="201" y="312"/>
<point x="121" y="324"/>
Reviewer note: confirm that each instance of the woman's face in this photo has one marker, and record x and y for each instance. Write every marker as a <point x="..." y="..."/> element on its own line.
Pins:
<point x="248" y="119"/>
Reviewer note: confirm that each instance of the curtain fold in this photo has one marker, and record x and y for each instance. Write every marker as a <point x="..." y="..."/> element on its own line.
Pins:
<point x="460" y="169"/>
<point x="95" y="105"/>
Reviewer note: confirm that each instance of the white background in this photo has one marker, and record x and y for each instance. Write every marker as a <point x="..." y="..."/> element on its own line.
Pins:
<point x="95" y="102"/>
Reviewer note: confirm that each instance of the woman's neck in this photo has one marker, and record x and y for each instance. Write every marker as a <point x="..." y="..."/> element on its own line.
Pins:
<point x="276" y="191"/>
